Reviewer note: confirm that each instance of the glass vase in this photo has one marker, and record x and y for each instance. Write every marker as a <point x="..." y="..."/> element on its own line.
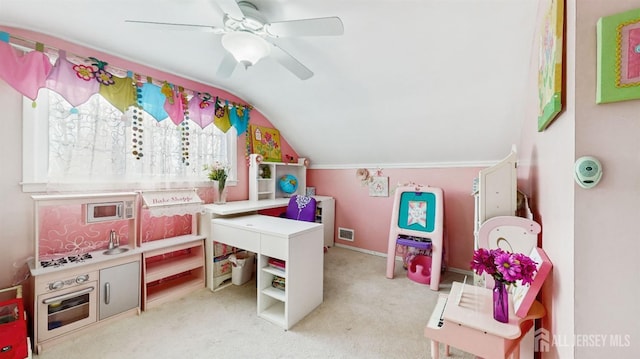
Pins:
<point x="500" y="302"/>
<point x="221" y="192"/>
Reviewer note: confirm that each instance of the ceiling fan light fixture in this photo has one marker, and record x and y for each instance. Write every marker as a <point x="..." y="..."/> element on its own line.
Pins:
<point x="247" y="48"/>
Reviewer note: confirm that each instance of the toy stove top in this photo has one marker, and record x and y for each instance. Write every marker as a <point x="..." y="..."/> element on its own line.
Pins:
<point x="61" y="261"/>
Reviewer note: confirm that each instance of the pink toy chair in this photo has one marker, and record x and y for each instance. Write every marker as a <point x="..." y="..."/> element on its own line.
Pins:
<point x="419" y="269"/>
<point x="509" y="233"/>
<point x="417" y="212"/>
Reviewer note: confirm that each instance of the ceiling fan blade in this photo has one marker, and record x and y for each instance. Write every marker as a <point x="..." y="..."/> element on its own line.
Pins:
<point x="227" y="66"/>
<point x="177" y="26"/>
<point x="231" y="8"/>
<point x="324" y="26"/>
<point x="290" y="63"/>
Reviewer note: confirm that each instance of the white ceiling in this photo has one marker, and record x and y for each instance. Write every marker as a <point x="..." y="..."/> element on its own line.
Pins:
<point x="410" y="81"/>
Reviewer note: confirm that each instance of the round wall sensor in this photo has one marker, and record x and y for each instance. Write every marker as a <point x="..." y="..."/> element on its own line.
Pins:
<point x="587" y="171"/>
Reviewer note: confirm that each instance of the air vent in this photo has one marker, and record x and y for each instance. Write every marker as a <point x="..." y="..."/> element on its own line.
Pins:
<point x="346" y="234"/>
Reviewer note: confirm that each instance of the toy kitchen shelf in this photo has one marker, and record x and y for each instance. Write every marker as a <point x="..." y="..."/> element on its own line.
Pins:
<point x="264" y="177"/>
<point x="172" y="267"/>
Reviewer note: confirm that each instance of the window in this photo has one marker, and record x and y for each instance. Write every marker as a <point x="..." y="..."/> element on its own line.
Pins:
<point x="96" y="147"/>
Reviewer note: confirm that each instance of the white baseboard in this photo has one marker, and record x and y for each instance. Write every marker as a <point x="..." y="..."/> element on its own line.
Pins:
<point x="450" y="269"/>
<point x="461" y="271"/>
<point x="361" y="250"/>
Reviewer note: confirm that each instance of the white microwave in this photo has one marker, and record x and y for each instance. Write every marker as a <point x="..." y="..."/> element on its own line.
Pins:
<point x="109" y="211"/>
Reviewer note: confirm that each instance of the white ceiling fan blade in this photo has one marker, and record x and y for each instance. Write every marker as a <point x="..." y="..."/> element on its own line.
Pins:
<point x="227" y="66"/>
<point x="231" y="8"/>
<point x="324" y="26"/>
<point x="290" y="63"/>
<point x="178" y="26"/>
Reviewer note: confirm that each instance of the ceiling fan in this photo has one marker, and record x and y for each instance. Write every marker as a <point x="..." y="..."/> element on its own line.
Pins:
<point x="248" y="36"/>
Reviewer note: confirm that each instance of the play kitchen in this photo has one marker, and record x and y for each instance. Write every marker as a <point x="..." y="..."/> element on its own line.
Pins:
<point x="81" y="273"/>
<point x="96" y="260"/>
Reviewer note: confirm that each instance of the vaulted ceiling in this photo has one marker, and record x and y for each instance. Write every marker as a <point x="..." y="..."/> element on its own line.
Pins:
<point x="411" y="82"/>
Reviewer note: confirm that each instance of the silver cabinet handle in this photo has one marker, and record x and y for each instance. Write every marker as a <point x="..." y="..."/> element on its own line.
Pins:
<point x="67" y="296"/>
<point x="107" y="293"/>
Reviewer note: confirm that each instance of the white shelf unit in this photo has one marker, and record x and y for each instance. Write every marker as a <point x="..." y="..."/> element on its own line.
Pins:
<point x="495" y="194"/>
<point x="272" y="301"/>
<point x="298" y="244"/>
<point x="172" y="267"/>
<point x="264" y="177"/>
<point x="325" y="214"/>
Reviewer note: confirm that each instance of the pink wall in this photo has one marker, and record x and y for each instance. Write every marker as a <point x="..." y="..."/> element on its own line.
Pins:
<point x="589" y="235"/>
<point x="605" y="216"/>
<point x="545" y="161"/>
<point x="256" y="117"/>
<point x="16" y="208"/>
<point x="16" y="211"/>
<point x="370" y="217"/>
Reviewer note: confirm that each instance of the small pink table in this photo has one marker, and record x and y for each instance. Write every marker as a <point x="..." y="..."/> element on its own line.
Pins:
<point x="468" y="324"/>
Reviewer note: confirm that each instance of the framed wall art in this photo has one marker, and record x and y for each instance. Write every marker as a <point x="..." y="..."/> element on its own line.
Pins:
<point x="266" y="142"/>
<point x="379" y="186"/>
<point x="550" y="65"/>
<point x="618" y="66"/>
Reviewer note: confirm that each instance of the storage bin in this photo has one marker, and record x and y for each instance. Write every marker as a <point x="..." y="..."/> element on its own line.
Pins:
<point x="13" y="327"/>
<point x="221" y="249"/>
<point x="221" y="266"/>
<point x="242" y="267"/>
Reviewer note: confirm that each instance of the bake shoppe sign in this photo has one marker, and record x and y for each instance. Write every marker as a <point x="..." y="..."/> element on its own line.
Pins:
<point x="179" y="201"/>
<point x="163" y="199"/>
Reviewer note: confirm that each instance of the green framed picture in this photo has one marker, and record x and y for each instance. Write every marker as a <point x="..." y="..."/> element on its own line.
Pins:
<point x="618" y="66"/>
<point x="266" y="142"/>
<point x="550" y="65"/>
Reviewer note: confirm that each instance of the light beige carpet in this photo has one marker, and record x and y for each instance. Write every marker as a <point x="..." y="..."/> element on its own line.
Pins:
<point x="364" y="315"/>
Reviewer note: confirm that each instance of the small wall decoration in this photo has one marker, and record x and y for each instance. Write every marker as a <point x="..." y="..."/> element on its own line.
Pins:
<point x="550" y="65"/>
<point x="618" y="67"/>
<point x="379" y="186"/>
<point x="266" y="142"/>
<point x="363" y="175"/>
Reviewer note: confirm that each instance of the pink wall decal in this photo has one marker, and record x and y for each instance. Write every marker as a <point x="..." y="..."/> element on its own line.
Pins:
<point x="63" y="230"/>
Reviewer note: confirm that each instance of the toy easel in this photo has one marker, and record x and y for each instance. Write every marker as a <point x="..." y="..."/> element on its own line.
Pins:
<point x="417" y="212"/>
